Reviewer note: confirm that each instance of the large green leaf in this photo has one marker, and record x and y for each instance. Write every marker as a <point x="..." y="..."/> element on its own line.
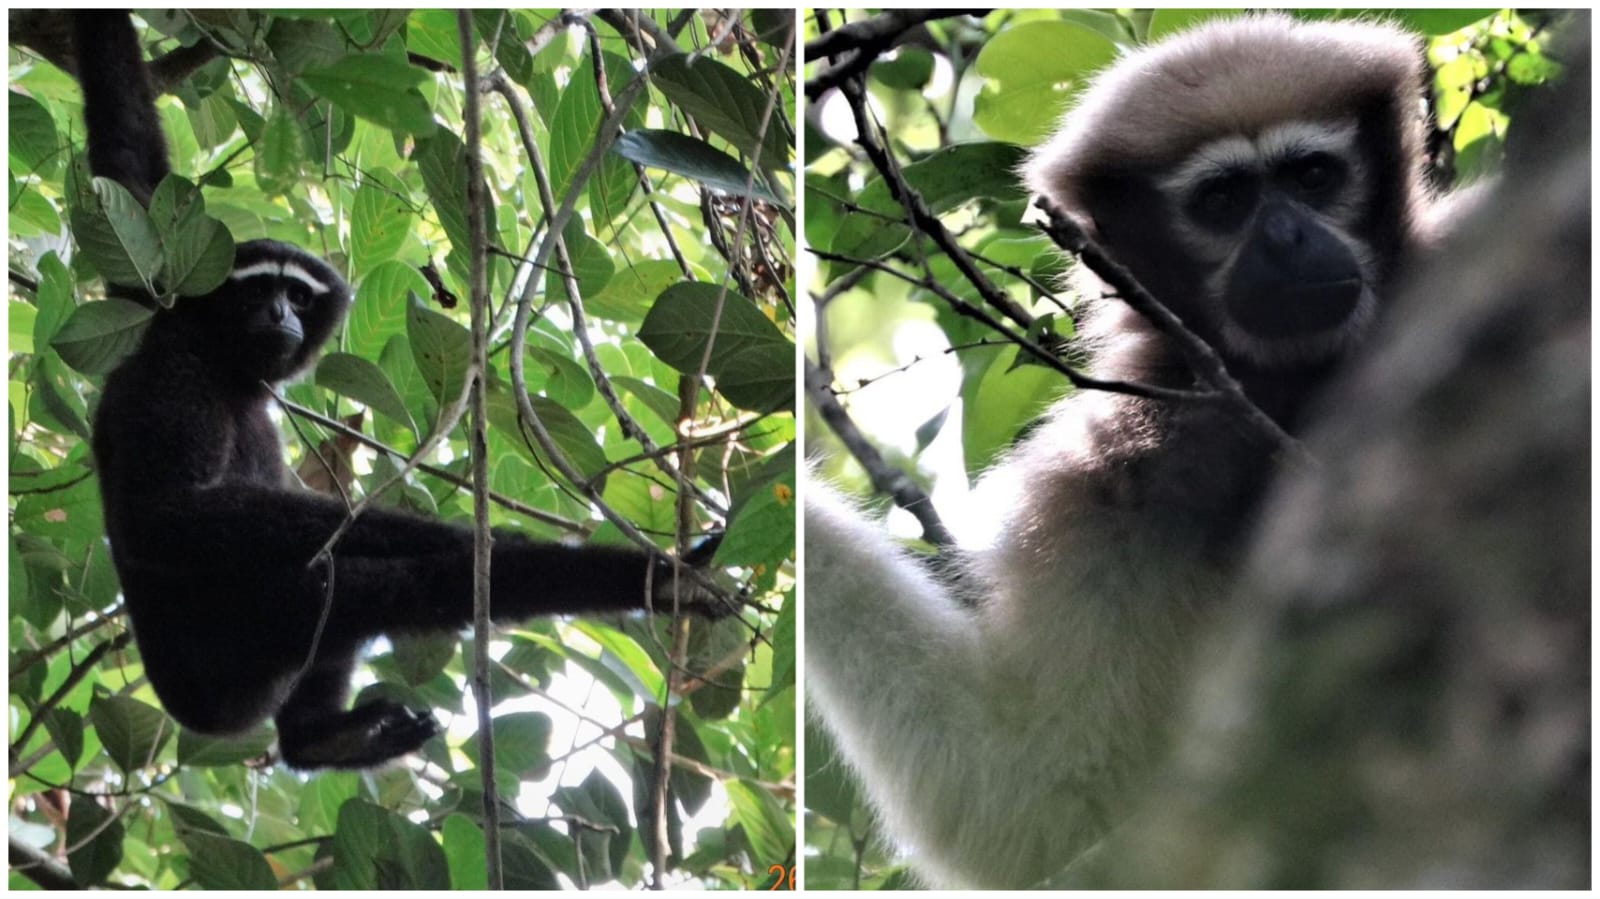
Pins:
<point x="376" y="849"/>
<point x="692" y="158"/>
<point x="521" y="746"/>
<point x="945" y="179"/>
<point x="364" y="382"/>
<point x="728" y="103"/>
<point x="752" y="361"/>
<point x="33" y="144"/>
<point x="381" y="89"/>
<point x="132" y="732"/>
<point x="1032" y="69"/>
<point x="197" y="249"/>
<point x="379" y="312"/>
<point x="100" y="335"/>
<point x="573" y="125"/>
<point x="442" y="349"/>
<point x="117" y="236"/>
<point x="222" y="863"/>
<point x="591" y="264"/>
<point x="380" y="220"/>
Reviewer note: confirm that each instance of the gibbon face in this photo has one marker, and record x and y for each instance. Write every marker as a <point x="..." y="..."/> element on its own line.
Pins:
<point x="1258" y="176"/>
<point x="1275" y="222"/>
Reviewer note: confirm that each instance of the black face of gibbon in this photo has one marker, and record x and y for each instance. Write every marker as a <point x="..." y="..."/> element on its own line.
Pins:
<point x="1275" y="247"/>
<point x="237" y="616"/>
<point x="275" y="311"/>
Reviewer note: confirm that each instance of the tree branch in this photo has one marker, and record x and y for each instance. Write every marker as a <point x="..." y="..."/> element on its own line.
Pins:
<point x="885" y="477"/>
<point x="864" y="41"/>
<point x="482" y="537"/>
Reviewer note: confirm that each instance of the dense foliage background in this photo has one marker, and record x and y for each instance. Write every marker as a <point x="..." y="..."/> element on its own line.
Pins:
<point x="955" y="100"/>
<point x="669" y="370"/>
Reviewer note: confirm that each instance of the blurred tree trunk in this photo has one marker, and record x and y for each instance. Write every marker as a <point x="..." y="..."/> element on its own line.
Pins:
<point x="1401" y="697"/>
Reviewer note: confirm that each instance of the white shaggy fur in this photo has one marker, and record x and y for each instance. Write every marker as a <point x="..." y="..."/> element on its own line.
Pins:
<point x="995" y="741"/>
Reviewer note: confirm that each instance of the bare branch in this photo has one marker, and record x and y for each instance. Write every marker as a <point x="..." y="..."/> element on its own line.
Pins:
<point x="864" y="41"/>
<point x="885" y="477"/>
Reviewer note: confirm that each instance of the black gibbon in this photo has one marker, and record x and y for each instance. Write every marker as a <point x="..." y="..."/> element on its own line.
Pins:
<point x="214" y="546"/>
<point x="1263" y="178"/>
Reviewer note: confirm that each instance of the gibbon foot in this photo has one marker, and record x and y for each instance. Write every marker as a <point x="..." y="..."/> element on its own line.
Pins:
<point x="368" y="735"/>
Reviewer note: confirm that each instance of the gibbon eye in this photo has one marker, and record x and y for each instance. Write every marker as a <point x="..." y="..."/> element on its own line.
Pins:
<point x="299" y="296"/>
<point x="1224" y="201"/>
<point x="1316" y="174"/>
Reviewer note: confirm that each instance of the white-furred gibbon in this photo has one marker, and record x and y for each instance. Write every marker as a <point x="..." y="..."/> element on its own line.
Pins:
<point x="1262" y="177"/>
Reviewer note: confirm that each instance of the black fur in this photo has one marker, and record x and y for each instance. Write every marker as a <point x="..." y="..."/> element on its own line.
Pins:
<point x="215" y="547"/>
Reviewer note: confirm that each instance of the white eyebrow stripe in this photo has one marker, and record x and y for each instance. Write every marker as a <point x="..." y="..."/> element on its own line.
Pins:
<point x="279" y="269"/>
<point x="1237" y="153"/>
<point x="1227" y="154"/>
<point x="1301" y="138"/>
<point x="291" y="270"/>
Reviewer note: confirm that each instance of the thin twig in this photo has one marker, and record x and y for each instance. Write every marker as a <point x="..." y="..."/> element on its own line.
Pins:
<point x="885" y="477"/>
<point x="1051" y="360"/>
<point x="482" y="537"/>
<point x="863" y="41"/>
<point x="506" y="502"/>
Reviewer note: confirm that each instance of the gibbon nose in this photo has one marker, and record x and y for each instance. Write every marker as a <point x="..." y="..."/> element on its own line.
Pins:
<point x="1281" y="229"/>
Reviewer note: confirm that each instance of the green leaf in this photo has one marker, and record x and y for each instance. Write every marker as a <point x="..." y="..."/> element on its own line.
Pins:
<point x="94" y="843"/>
<point x="35" y="148"/>
<point x="100" y="335"/>
<point x="727" y="102"/>
<point x="1032" y="69"/>
<point x="199" y="750"/>
<point x="752" y="361"/>
<point x="197" y="249"/>
<point x="908" y="70"/>
<point x="222" y="863"/>
<point x="381" y="89"/>
<point x="433" y="33"/>
<point x="573" y="125"/>
<point x="761" y="529"/>
<point x="442" y="350"/>
<point x="521" y="747"/>
<point x="560" y="378"/>
<point x="662" y="403"/>
<point x="442" y="161"/>
<point x="999" y="401"/>
<point x="383" y="295"/>
<point x="1434" y="22"/>
<point x="364" y="382"/>
<point x="598" y="800"/>
<point x="642" y="501"/>
<point x="376" y="849"/>
<point x="945" y="179"/>
<point x="463" y="850"/>
<point x="692" y="158"/>
<point x="591" y="264"/>
<point x="628" y="294"/>
<point x="212" y="121"/>
<point x="31" y="214"/>
<point x="279" y="151"/>
<point x="132" y="732"/>
<point x="55" y="390"/>
<point x="571" y="436"/>
<point x="421" y="657"/>
<point x="117" y="236"/>
<point x="379" y="222"/>
<point x="765" y="823"/>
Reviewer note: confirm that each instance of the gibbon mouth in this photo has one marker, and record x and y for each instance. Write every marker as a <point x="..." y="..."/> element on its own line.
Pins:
<point x="1298" y="310"/>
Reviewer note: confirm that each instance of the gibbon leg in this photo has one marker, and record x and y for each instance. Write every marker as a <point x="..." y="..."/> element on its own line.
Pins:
<point x="314" y="730"/>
